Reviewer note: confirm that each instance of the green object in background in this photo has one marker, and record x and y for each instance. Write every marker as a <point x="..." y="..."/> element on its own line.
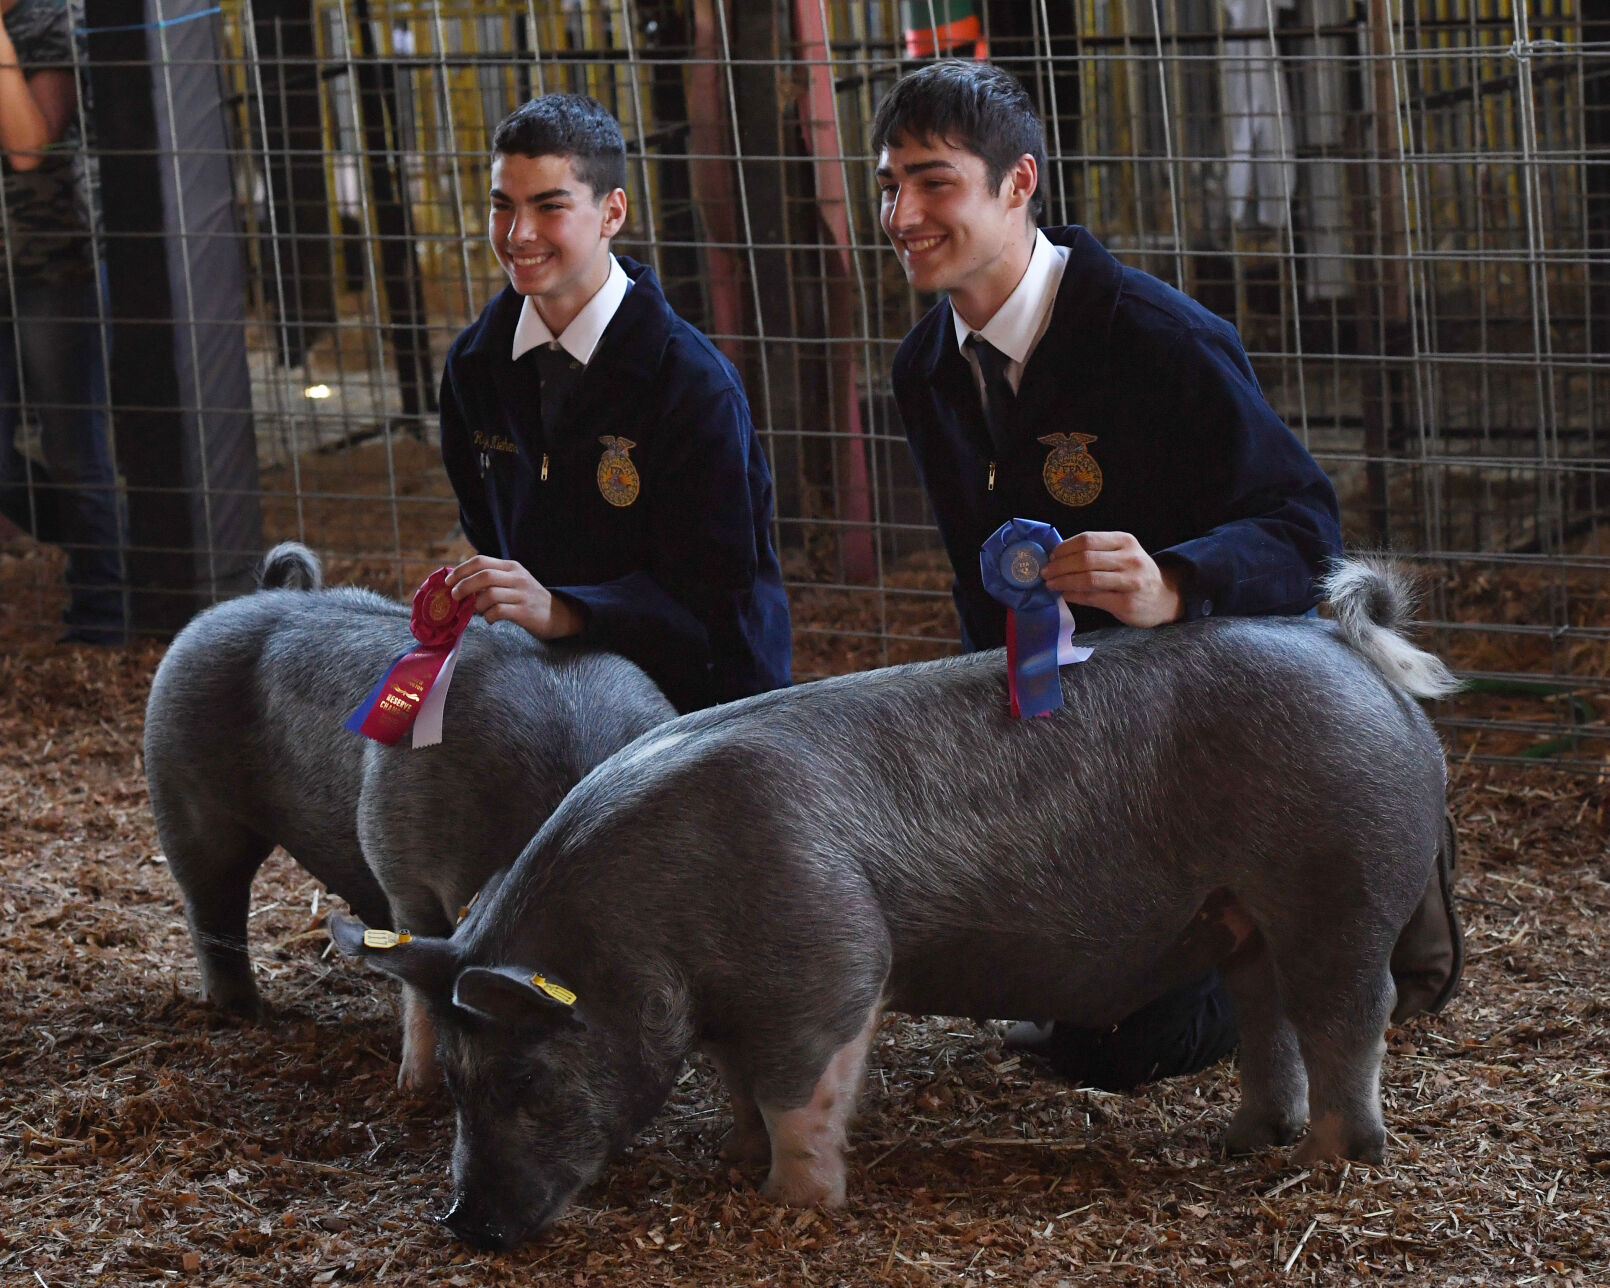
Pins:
<point x="927" y="15"/>
<point x="941" y="26"/>
<point x="1581" y="712"/>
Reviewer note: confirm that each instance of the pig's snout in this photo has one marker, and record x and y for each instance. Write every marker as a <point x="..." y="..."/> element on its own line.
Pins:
<point x="475" y="1227"/>
<point x="484" y="1226"/>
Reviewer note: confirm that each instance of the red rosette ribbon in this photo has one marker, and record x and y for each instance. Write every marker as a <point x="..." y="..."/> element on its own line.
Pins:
<point x="438" y="617"/>
<point x="414" y="687"/>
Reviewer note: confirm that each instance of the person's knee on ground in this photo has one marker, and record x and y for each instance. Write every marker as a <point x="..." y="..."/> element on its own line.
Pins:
<point x="1192" y="1027"/>
<point x="1430" y="953"/>
<point x="1182" y="1032"/>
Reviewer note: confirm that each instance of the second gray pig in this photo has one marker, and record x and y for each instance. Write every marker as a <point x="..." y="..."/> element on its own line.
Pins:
<point x="245" y="750"/>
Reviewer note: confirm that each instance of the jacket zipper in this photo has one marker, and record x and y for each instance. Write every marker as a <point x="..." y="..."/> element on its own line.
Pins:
<point x="992" y="476"/>
<point x="545" y="467"/>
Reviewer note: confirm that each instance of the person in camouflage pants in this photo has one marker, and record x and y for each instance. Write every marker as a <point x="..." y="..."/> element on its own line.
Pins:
<point x="52" y="358"/>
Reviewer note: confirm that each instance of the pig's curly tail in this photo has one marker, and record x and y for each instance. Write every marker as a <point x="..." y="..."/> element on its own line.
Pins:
<point x="290" y="566"/>
<point x="1373" y="600"/>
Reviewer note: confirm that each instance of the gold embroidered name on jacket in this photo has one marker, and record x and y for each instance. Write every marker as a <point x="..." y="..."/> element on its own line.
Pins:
<point x="1070" y="472"/>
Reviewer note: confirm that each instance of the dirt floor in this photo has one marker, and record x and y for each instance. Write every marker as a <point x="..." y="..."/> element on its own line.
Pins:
<point x="145" y="1139"/>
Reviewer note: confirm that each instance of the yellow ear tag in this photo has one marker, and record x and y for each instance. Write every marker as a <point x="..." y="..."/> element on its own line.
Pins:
<point x="385" y="938"/>
<point x="555" y="991"/>
<point x="465" y="910"/>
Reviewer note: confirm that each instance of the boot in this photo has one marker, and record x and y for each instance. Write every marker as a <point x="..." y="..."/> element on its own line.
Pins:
<point x="1430" y="952"/>
<point x="1181" y="1032"/>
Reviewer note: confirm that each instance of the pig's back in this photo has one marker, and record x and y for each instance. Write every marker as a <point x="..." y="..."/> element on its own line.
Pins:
<point x="523" y="723"/>
<point x="909" y="796"/>
<point x="1208" y="742"/>
<point x="244" y="717"/>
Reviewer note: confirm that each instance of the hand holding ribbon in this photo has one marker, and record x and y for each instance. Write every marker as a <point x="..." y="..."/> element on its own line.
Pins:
<point x="1039" y="626"/>
<point x="413" y="691"/>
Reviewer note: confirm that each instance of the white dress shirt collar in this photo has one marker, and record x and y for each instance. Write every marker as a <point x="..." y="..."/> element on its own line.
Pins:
<point x="581" y="337"/>
<point x="1020" y="322"/>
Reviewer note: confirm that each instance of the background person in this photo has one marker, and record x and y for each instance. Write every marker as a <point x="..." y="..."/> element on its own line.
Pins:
<point x="52" y="365"/>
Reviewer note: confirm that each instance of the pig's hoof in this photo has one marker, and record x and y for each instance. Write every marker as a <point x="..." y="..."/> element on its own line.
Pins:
<point x="746" y="1149"/>
<point x="417" y="1076"/>
<point x="1314" y="1149"/>
<point x="1327" y="1142"/>
<point x="804" y="1187"/>
<point x="1248" y="1133"/>
<point x="242" y="1005"/>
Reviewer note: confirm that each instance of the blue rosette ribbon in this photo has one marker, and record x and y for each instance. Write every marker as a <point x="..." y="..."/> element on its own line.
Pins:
<point x="1011" y="561"/>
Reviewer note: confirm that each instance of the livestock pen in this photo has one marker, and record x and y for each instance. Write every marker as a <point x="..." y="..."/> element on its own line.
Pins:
<point x="1403" y="205"/>
<point x="1402" y="208"/>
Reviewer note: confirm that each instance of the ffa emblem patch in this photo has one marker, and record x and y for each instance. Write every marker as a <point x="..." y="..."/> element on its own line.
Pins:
<point x="1071" y="474"/>
<point x="1025" y="564"/>
<point x="439" y="607"/>
<point x="617" y="476"/>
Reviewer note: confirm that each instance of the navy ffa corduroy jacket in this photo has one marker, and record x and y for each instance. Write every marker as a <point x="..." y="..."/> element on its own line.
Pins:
<point x="662" y="533"/>
<point x="1137" y="412"/>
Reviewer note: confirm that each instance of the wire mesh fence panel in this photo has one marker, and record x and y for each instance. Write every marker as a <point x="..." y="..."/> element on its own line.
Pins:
<point x="1402" y="205"/>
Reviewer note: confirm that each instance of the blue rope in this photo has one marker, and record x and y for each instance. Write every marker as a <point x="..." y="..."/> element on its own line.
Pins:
<point x="152" y="26"/>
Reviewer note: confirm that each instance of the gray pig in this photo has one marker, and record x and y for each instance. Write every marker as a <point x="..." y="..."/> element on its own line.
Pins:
<point x="762" y="880"/>
<point x="244" y="750"/>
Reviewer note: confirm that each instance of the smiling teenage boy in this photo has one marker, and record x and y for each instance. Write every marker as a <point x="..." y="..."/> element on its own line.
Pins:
<point x="600" y="447"/>
<point x="1053" y="383"/>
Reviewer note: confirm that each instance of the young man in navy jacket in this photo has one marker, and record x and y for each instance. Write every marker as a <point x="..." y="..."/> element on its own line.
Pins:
<point x="600" y="447"/>
<point x="1053" y="383"/>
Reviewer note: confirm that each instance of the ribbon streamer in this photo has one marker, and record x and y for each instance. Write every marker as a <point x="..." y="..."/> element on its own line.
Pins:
<point x="1039" y="627"/>
<point x="413" y="692"/>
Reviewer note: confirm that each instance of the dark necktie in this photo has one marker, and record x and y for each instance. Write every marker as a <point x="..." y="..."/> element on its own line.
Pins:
<point x="998" y="395"/>
<point x="557" y="372"/>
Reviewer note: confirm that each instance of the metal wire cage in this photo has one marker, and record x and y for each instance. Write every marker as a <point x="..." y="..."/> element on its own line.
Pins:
<point x="1403" y="207"/>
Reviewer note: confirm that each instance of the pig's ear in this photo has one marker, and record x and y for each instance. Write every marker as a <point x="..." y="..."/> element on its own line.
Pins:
<point x="347" y="933"/>
<point x="514" y="996"/>
<point x="426" y="963"/>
